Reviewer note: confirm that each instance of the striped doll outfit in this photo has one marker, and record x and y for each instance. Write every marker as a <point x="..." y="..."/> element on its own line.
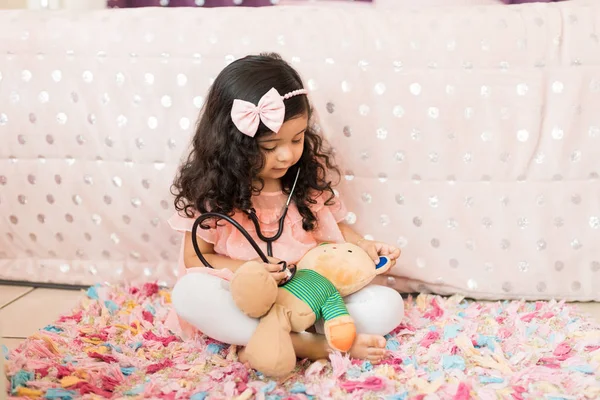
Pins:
<point x="320" y="294"/>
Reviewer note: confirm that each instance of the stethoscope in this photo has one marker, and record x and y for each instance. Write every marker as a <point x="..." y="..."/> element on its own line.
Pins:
<point x="254" y="218"/>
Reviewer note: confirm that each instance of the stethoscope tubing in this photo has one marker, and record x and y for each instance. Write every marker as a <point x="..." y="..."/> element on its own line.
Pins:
<point x="219" y="216"/>
<point x="254" y="218"/>
<point x="268" y="240"/>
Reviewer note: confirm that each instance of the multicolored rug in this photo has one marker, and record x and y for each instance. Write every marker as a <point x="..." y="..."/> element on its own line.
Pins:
<point x="115" y="345"/>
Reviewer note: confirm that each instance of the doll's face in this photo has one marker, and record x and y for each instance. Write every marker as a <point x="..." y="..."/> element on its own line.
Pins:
<point x="347" y="266"/>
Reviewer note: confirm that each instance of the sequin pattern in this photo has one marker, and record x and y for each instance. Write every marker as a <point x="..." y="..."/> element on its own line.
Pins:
<point x="477" y="154"/>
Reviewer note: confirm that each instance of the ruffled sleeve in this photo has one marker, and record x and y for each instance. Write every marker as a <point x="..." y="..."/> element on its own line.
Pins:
<point x="338" y="209"/>
<point x="334" y="207"/>
<point x="184" y="224"/>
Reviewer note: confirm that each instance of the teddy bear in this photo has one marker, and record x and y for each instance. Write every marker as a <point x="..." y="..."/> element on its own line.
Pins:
<point x="323" y="277"/>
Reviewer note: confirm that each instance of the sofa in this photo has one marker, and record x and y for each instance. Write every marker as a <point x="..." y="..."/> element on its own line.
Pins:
<point x="467" y="135"/>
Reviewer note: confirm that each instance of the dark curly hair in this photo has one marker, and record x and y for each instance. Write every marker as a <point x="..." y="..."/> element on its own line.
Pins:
<point x="223" y="163"/>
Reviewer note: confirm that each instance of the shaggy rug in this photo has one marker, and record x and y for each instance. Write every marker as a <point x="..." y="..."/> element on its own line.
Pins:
<point x="115" y="345"/>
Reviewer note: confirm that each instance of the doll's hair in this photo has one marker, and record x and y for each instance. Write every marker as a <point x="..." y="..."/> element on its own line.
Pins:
<point x="223" y="163"/>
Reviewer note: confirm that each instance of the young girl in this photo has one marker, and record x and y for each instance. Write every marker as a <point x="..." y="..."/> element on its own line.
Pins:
<point x="253" y="136"/>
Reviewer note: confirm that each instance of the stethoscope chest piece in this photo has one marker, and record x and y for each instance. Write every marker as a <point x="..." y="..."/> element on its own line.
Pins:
<point x="291" y="272"/>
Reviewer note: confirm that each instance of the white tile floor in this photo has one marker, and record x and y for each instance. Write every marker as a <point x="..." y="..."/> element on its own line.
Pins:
<point x="24" y="310"/>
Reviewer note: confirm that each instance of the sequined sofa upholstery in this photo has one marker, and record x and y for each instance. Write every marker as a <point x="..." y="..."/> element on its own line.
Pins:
<point x="469" y="136"/>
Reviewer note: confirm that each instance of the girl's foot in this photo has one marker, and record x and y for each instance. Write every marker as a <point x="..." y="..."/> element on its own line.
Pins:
<point x="369" y="347"/>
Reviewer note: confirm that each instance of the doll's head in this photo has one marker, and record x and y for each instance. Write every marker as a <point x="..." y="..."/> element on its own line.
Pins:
<point x="348" y="267"/>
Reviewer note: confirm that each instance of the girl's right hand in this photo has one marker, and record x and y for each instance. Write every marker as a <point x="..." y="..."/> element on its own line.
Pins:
<point x="274" y="268"/>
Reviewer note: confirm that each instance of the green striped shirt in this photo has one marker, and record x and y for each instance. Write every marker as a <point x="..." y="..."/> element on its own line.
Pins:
<point x="320" y="294"/>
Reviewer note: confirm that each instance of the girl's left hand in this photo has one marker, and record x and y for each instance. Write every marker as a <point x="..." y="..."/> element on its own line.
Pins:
<point x="378" y="249"/>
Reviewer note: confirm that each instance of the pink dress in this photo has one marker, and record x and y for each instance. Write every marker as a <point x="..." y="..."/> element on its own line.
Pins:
<point x="291" y="246"/>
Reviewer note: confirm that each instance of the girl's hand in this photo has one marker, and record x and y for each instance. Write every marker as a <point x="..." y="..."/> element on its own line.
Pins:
<point x="274" y="269"/>
<point x="378" y="249"/>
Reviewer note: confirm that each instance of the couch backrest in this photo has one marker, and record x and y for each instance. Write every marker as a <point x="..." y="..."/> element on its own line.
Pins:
<point x="469" y="136"/>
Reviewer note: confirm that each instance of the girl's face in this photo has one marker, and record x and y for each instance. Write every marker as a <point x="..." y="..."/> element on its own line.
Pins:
<point x="283" y="149"/>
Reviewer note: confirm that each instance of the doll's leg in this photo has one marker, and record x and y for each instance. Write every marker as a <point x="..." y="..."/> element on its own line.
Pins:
<point x="339" y="327"/>
<point x="205" y="302"/>
<point x="376" y="310"/>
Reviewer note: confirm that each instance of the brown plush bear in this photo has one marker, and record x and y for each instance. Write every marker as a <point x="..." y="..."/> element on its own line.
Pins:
<point x="324" y="275"/>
